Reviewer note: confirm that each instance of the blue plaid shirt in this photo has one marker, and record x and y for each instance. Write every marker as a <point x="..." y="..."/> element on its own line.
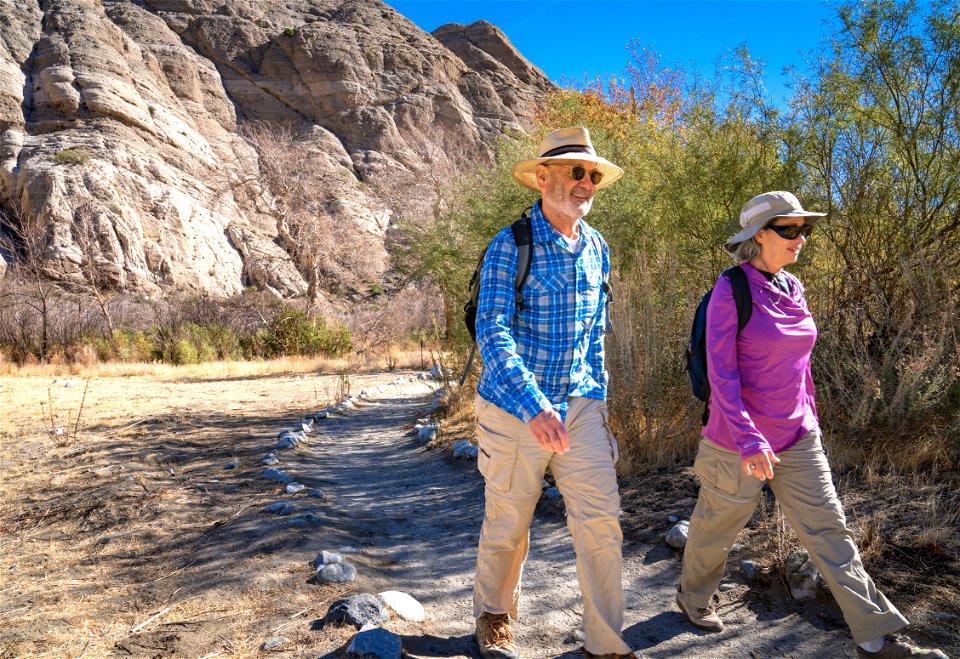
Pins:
<point x="536" y="358"/>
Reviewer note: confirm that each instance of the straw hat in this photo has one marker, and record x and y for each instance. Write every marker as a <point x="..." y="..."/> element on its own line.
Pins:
<point x="565" y="144"/>
<point x="761" y="209"/>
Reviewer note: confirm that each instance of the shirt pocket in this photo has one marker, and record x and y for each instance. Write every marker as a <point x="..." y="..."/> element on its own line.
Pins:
<point x="547" y="282"/>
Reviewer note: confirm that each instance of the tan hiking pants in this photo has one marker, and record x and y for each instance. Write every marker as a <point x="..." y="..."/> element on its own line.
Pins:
<point x="804" y="489"/>
<point x="513" y="466"/>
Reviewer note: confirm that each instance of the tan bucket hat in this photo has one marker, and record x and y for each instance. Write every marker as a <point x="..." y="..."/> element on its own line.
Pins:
<point x="565" y="144"/>
<point x="764" y="207"/>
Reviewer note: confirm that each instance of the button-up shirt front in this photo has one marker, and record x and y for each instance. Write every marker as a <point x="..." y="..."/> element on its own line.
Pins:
<point x="537" y="356"/>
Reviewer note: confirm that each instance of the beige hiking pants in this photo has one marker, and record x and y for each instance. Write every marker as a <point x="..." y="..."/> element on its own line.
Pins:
<point x="804" y="489"/>
<point x="513" y="466"/>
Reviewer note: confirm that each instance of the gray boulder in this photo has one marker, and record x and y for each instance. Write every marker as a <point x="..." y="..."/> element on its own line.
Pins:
<point x="357" y="610"/>
<point x="375" y="642"/>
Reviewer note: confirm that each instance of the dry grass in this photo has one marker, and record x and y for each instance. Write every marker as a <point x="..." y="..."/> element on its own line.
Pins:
<point x="130" y="537"/>
<point x="389" y="358"/>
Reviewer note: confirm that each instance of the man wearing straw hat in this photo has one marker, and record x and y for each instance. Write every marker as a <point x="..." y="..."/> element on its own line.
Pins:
<point x="541" y="399"/>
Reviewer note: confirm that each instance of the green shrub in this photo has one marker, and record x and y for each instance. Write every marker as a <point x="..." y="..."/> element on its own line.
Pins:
<point x="292" y="332"/>
<point x="289" y="32"/>
<point x="72" y="156"/>
<point x="184" y="352"/>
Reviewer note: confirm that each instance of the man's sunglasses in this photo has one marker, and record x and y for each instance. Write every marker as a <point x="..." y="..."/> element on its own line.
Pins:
<point x="577" y="172"/>
<point x="791" y="231"/>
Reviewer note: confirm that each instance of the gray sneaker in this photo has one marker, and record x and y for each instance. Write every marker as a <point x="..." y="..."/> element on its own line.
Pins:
<point x="494" y="637"/>
<point x="705" y="619"/>
<point x="899" y="647"/>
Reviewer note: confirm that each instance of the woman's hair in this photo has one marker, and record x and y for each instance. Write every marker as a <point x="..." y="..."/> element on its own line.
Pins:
<point x="747" y="250"/>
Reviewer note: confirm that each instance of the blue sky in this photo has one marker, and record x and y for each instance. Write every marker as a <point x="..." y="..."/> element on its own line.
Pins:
<point x="576" y="38"/>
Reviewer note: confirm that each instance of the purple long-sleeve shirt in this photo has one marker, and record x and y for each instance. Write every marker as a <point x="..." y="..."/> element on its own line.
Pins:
<point x="761" y="386"/>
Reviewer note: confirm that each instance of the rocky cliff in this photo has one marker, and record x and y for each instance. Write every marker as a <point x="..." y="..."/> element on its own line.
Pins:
<point x="205" y="145"/>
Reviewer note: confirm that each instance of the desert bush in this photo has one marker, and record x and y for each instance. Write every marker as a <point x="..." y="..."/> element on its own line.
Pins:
<point x="411" y="315"/>
<point x="870" y="138"/>
<point x="292" y="332"/>
<point x="72" y="156"/>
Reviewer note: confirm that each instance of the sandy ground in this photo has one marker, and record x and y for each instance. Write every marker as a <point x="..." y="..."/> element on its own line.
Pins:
<point x="126" y="535"/>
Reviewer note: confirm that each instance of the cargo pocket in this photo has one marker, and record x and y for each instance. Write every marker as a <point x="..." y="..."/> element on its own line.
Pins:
<point x="720" y="472"/>
<point x="497" y="453"/>
<point x="614" y="445"/>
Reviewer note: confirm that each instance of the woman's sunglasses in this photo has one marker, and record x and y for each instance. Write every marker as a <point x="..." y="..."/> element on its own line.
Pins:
<point x="577" y="172"/>
<point x="791" y="231"/>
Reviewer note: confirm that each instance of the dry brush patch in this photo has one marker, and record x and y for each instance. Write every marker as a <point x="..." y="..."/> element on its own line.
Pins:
<point x="133" y="537"/>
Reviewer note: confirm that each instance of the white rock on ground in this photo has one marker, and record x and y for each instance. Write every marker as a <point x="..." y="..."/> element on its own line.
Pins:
<point x="403" y="605"/>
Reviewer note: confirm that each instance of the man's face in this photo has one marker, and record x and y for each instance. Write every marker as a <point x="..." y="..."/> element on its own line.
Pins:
<point x="564" y="195"/>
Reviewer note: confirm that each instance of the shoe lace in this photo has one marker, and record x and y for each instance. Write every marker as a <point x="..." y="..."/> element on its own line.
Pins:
<point x="498" y="633"/>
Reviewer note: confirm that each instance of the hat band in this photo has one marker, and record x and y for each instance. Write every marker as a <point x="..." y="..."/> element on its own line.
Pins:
<point x="572" y="148"/>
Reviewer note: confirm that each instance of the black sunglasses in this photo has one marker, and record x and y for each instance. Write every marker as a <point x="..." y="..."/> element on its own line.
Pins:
<point x="791" y="231"/>
<point x="577" y="172"/>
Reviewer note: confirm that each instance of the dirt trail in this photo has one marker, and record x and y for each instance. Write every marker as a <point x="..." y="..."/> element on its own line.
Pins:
<point x="417" y="515"/>
<point x="136" y="541"/>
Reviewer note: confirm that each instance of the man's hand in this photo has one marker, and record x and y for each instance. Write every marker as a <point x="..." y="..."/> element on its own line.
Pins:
<point x="548" y="429"/>
<point x="760" y="464"/>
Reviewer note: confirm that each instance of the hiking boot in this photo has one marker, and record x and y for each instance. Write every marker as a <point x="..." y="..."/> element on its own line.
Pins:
<point x="494" y="637"/>
<point x="898" y="647"/>
<point x="705" y="619"/>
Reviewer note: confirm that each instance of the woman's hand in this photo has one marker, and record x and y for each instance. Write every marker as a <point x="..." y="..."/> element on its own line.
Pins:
<point x="760" y="464"/>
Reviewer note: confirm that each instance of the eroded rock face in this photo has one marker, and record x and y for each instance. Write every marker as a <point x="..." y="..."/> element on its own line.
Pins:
<point x="121" y="128"/>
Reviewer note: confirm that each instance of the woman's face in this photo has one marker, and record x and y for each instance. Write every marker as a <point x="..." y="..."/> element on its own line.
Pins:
<point x="777" y="252"/>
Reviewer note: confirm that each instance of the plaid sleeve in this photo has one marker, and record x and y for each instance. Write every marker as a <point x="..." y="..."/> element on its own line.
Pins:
<point x="495" y="316"/>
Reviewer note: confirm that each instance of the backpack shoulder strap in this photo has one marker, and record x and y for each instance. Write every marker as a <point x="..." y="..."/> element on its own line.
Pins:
<point x="741" y="295"/>
<point x="523" y="237"/>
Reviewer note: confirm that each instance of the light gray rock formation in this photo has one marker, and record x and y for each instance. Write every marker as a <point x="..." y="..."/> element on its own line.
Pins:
<point x="125" y="131"/>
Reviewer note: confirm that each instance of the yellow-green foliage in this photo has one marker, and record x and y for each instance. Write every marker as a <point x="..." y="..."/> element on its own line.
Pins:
<point x="871" y="138"/>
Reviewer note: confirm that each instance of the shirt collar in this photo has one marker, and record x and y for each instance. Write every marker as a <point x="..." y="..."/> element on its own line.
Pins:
<point x="543" y="231"/>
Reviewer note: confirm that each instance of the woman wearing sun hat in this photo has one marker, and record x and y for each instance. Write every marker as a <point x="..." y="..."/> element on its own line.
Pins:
<point x="762" y="426"/>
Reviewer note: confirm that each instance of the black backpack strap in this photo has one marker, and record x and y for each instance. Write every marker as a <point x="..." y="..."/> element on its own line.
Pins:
<point x="741" y="295"/>
<point x="523" y="237"/>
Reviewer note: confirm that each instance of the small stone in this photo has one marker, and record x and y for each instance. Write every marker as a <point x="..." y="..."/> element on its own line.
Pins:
<point x="403" y="605"/>
<point x="802" y="576"/>
<point x="677" y="535"/>
<point x="282" y="507"/>
<point x="427" y="434"/>
<point x="327" y="558"/>
<point x="337" y="573"/>
<point x="274" y="642"/>
<point x="673" y="519"/>
<point x="233" y="464"/>
<point x="323" y="414"/>
<point x="375" y="643"/>
<point x="347" y="549"/>
<point x="735" y="548"/>
<point x="293" y="488"/>
<point x="724" y="587"/>
<point x="753" y="573"/>
<point x="270" y="460"/>
<point x="357" y="610"/>
<point x="576" y="636"/>
<point x="277" y="475"/>
<point x="313" y="492"/>
<point x="312" y="519"/>
<point x="552" y="493"/>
